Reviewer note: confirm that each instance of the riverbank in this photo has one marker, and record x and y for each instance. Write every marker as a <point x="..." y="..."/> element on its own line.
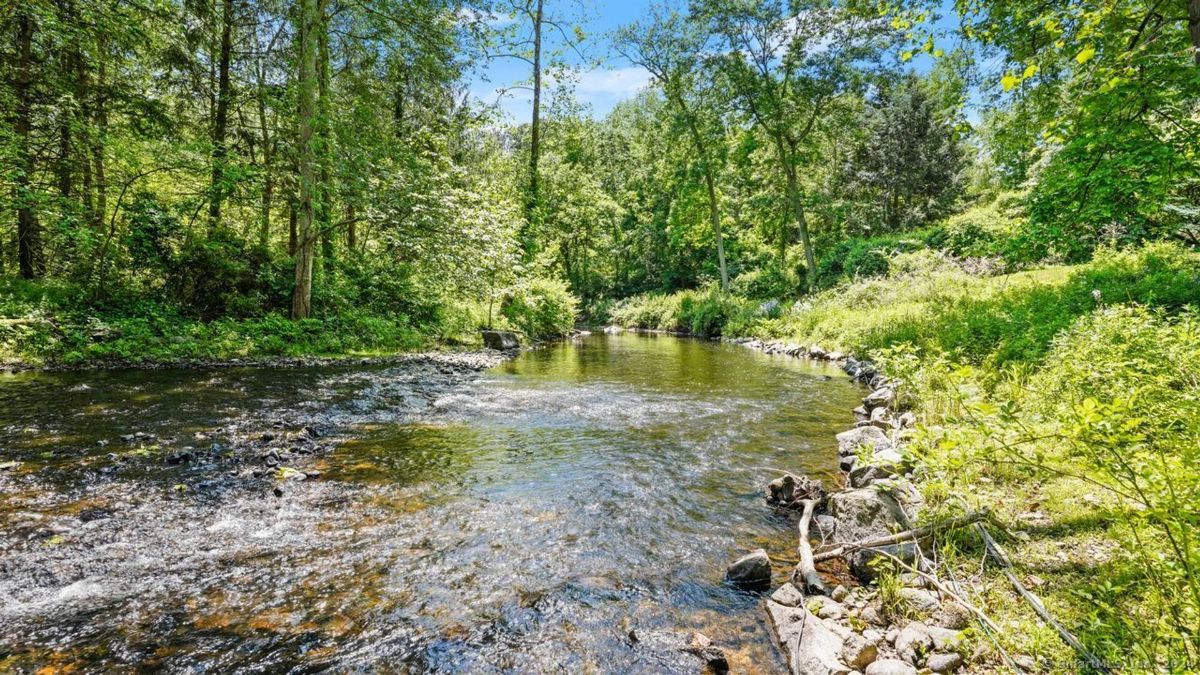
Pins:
<point x="1064" y="402"/>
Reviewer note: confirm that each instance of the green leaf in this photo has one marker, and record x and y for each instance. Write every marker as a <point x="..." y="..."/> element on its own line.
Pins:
<point x="1085" y="55"/>
<point x="1009" y="82"/>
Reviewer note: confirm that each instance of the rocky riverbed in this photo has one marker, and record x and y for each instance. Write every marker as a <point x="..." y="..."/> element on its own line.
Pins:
<point x="851" y="624"/>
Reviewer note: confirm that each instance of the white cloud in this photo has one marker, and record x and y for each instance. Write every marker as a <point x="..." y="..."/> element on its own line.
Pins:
<point x="617" y="83"/>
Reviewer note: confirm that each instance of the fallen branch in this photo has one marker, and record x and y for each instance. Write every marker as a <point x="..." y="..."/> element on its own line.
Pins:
<point x="944" y="591"/>
<point x="807" y="569"/>
<point x="997" y="555"/>
<point x="907" y="535"/>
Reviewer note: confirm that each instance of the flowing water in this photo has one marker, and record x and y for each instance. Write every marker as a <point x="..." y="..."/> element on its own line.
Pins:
<point x="526" y="518"/>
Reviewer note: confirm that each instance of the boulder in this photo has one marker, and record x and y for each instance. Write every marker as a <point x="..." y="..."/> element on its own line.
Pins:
<point x="861" y="414"/>
<point x="835" y="356"/>
<point x="816" y="352"/>
<point x="882" y="417"/>
<point x="811" y="647"/>
<point x="890" y="667"/>
<point x="871" y="437"/>
<point x="944" y="663"/>
<point x="500" y="339"/>
<point x="920" y="600"/>
<point x="881" y="397"/>
<point x="907" y="420"/>
<point x="865" y="512"/>
<point x="751" y="571"/>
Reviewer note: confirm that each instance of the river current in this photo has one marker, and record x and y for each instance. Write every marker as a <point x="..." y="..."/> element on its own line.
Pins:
<point x="533" y="517"/>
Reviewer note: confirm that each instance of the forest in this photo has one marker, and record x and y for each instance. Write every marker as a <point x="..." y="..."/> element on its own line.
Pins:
<point x="996" y="200"/>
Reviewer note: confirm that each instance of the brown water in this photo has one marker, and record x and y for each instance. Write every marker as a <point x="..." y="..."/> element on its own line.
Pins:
<point x="523" y="519"/>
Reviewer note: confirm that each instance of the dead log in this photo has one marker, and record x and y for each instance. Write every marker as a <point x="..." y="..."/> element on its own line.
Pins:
<point x="806" y="570"/>
<point x="997" y="555"/>
<point x="907" y="535"/>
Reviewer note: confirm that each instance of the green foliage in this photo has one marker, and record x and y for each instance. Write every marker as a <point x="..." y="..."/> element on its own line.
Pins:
<point x="541" y="308"/>
<point x="855" y="258"/>
<point x="709" y="313"/>
<point x="981" y="231"/>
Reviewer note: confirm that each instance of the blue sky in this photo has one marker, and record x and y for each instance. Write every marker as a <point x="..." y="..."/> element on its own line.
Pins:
<point x="600" y="86"/>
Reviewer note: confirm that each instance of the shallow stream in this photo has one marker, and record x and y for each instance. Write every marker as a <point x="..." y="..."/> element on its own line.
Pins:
<point x="525" y="518"/>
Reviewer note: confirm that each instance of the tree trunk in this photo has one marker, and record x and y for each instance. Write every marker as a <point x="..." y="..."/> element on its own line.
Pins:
<point x="100" y="141"/>
<point x="28" y="236"/>
<point x="310" y="23"/>
<point x="351" y="227"/>
<point x="533" y="199"/>
<point x="292" y="238"/>
<point x="268" y="188"/>
<point x="221" y="120"/>
<point x="324" y="207"/>
<point x="1194" y="28"/>
<point x="797" y="203"/>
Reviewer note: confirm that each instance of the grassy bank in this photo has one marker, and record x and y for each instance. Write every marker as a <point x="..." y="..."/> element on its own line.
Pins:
<point x="47" y="323"/>
<point x="1067" y="400"/>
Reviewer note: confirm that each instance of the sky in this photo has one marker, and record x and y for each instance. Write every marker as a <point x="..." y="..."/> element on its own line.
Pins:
<point x="604" y="78"/>
<point x="600" y="87"/>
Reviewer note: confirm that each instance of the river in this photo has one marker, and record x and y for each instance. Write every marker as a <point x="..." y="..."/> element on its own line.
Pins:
<point x="524" y="518"/>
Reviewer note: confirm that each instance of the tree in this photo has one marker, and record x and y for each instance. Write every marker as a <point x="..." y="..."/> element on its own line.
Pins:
<point x="525" y="40"/>
<point x="907" y="168"/>
<point x="309" y="22"/>
<point x="785" y="70"/>
<point x="671" y="48"/>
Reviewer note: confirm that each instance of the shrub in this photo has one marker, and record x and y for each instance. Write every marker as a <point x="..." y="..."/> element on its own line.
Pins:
<point x="541" y="308"/>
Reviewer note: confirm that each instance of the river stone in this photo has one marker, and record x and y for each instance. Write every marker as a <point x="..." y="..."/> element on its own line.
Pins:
<point x="944" y="663"/>
<point x="913" y="642"/>
<point x="750" y="572"/>
<point x="952" y="615"/>
<point x="907" y="420"/>
<point x="788" y="595"/>
<point x="890" y="667"/>
<point x="864" y="567"/>
<point x="810" y="646"/>
<point x="871" y="437"/>
<point x="789" y="488"/>
<point x="502" y="340"/>
<point x="816" y="352"/>
<point x="920" y="600"/>
<point x="858" y="652"/>
<point x="826" y="608"/>
<point x="945" y="639"/>
<point x="881" y="397"/>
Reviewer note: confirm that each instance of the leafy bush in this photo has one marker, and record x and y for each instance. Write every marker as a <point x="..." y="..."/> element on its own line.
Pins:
<point x="767" y="283"/>
<point x="855" y="258"/>
<point x="541" y="308"/>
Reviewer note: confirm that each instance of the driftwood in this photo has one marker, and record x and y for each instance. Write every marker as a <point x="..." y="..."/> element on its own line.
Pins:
<point x="997" y="555"/>
<point x="807" y="569"/>
<point x="907" y="535"/>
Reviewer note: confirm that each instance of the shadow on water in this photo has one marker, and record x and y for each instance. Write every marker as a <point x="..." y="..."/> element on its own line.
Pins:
<point x="525" y="519"/>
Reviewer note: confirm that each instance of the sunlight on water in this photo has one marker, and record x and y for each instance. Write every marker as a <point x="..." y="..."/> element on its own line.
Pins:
<point x="523" y="519"/>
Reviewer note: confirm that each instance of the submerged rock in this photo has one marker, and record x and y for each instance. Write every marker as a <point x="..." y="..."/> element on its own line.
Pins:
<point x="676" y="649"/>
<point x="751" y="571"/>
